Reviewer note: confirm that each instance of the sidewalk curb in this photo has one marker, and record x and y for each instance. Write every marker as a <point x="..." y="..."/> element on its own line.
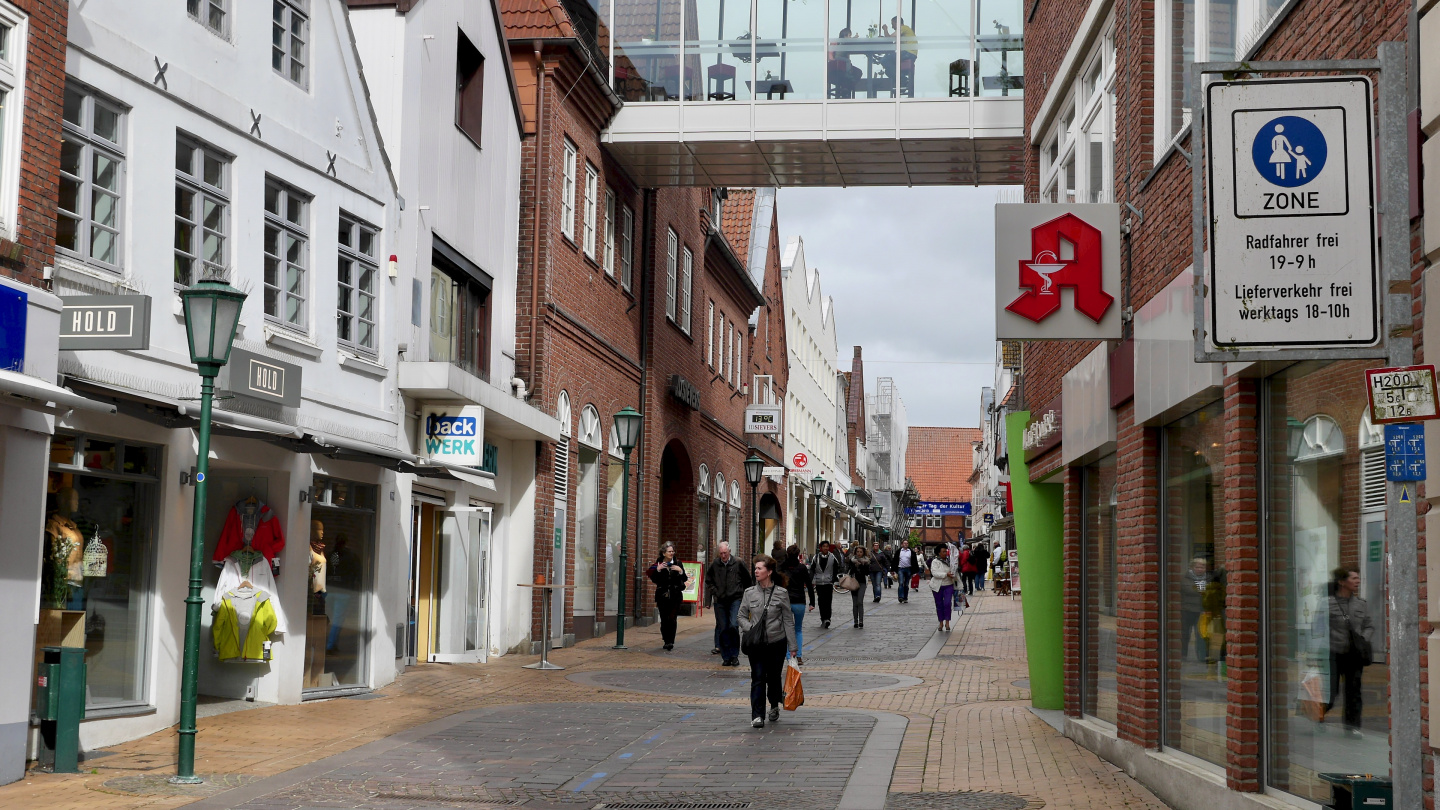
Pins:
<point x="869" y="784"/>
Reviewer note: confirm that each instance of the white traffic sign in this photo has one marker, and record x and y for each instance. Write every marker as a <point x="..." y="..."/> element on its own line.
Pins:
<point x="1293" y="261"/>
<point x="1403" y="394"/>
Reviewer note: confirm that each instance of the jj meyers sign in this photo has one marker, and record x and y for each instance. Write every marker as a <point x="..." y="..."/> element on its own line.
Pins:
<point x="1293" y="263"/>
<point x="455" y="435"/>
<point x="1057" y="271"/>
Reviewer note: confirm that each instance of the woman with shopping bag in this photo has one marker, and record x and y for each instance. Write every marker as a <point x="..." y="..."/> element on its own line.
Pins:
<point x="767" y="632"/>
<point x="942" y="586"/>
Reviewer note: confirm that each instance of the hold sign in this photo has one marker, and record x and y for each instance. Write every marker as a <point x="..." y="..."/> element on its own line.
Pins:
<point x="1293" y="263"/>
<point x="1403" y="394"/>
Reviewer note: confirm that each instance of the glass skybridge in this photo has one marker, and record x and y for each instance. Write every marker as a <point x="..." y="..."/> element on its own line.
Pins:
<point x="815" y="92"/>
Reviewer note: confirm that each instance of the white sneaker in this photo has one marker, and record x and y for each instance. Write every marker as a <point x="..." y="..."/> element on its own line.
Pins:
<point x="758" y="722"/>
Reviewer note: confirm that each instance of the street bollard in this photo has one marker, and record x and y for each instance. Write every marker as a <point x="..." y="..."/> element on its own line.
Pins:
<point x="60" y="699"/>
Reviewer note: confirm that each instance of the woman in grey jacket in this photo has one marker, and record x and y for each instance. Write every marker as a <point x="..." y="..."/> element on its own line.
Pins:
<point x="767" y="603"/>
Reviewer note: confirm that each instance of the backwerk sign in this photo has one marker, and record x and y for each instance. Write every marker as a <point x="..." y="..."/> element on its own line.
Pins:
<point x="1293" y="219"/>
<point x="455" y="435"/>
<point x="1057" y="271"/>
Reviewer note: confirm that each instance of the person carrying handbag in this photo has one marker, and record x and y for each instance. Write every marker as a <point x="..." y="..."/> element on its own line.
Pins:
<point x="767" y="632"/>
<point x="1351" y="648"/>
<point x="857" y="569"/>
<point x="942" y="586"/>
<point x="825" y="571"/>
<point x="669" y="578"/>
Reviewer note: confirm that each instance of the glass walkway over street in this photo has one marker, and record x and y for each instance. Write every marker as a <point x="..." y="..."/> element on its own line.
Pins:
<point x="814" y="92"/>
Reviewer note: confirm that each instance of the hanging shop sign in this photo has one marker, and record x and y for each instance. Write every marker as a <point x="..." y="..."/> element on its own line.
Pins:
<point x="1293" y="263"/>
<point x="800" y="462"/>
<point x="455" y="434"/>
<point x="763" y="419"/>
<point x="104" y="322"/>
<point x="939" y="508"/>
<point x="261" y="378"/>
<point x="1405" y="452"/>
<point x="1402" y="394"/>
<point x="1057" y="271"/>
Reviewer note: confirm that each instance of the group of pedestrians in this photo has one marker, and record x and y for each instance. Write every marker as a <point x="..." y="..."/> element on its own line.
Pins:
<point x="765" y="604"/>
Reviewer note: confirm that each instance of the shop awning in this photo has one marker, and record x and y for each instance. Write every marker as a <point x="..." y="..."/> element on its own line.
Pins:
<point x="428" y="468"/>
<point x="245" y="421"/>
<point x="341" y="448"/>
<point x="36" y="394"/>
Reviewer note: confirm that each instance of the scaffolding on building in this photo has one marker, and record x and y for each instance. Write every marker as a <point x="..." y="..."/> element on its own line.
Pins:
<point x="886" y="437"/>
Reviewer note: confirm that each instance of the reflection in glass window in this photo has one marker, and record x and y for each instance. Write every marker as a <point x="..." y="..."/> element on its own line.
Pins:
<point x="647" y="50"/>
<point x="614" y="494"/>
<point x="1098" y="586"/>
<point x="342" y="549"/>
<point x="942" y="65"/>
<point x="718" y="47"/>
<point x="1327" y="711"/>
<point x="587" y="532"/>
<point x="1194" y="532"/>
<point x="1001" y="42"/>
<point x="789" y="46"/>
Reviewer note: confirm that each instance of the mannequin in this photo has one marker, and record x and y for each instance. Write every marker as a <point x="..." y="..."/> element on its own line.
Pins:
<point x="319" y="566"/>
<point x="251" y="524"/>
<point x="66" y="550"/>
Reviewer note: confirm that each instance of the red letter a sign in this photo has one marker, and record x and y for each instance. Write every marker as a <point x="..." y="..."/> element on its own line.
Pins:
<point x="1046" y="273"/>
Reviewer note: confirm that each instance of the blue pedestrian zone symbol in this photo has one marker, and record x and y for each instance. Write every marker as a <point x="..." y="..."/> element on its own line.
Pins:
<point x="1289" y="151"/>
<point x="1404" y="452"/>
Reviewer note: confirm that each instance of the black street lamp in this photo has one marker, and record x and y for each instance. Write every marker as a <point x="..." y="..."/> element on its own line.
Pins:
<point x="212" y="313"/>
<point x="851" y="496"/>
<point x="627" y="434"/>
<point x="754" y="468"/>
<point x="820" y="488"/>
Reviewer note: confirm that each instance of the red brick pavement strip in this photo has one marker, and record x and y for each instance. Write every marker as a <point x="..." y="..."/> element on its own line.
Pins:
<point x="969" y="723"/>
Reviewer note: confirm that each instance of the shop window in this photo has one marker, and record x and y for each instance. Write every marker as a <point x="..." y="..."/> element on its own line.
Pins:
<point x="469" y="88"/>
<point x="92" y="167"/>
<point x="342" y="554"/>
<point x="202" y="212"/>
<point x="1193" y="526"/>
<point x="102" y="501"/>
<point x="587" y="528"/>
<point x="613" y="498"/>
<point x="459" y="312"/>
<point x="1099" y="575"/>
<point x="1326" y="712"/>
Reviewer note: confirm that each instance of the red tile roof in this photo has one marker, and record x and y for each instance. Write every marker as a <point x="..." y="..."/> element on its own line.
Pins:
<point x="527" y="19"/>
<point x="736" y="218"/>
<point x="938" y="460"/>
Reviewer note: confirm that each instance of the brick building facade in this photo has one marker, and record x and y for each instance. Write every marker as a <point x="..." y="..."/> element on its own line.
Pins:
<point x="628" y="297"/>
<point x="1200" y="531"/>
<point x="938" y="460"/>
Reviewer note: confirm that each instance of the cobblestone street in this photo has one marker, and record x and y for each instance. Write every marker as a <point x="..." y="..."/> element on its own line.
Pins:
<point x="893" y="710"/>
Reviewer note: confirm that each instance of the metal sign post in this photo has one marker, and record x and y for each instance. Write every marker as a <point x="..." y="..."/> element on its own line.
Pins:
<point x="1396" y="345"/>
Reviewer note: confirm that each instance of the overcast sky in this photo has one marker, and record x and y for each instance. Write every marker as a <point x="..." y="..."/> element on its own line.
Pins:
<point x="912" y="274"/>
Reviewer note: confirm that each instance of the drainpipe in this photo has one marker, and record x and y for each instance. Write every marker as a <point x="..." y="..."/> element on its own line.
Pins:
<point x="540" y="187"/>
<point x="647" y="233"/>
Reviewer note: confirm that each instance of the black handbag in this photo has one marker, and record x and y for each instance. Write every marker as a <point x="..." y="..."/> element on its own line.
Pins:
<point x="1359" y="645"/>
<point x="754" y="640"/>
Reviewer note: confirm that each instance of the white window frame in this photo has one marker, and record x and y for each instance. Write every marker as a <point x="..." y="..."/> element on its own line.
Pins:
<point x="1067" y="139"/>
<point x="672" y="257"/>
<point x="203" y="192"/>
<point x="299" y="231"/>
<point x="90" y="145"/>
<point x="710" y="337"/>
<point x="12" y="84"/>
<point x="360" y="261"/>
<point x="567" y="191"/>
<point x="1251" y="19"/>
<point x="609" y="233"/>
<point x="687" y="278"/>
<point x="739" y="360"/>
<point x="627" y="247"/>
<point x="297" y="50"/>
<point x="592" y="203"/>
<point x="203" y="11"/>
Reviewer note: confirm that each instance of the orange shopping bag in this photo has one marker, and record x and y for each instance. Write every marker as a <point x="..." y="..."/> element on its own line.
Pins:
<point x="1312" y="700"/>
<point x="794" y="691"/>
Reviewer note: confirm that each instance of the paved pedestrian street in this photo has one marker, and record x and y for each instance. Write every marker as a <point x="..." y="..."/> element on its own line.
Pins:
<point x="897" y="716"/>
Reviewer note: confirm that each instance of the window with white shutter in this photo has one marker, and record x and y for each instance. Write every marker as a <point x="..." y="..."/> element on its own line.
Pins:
<point x="567" y="191"/>
<point x="609" y="261"/>
<point x="592" y="202"/>
<point x="710" y="337"/>
<point x="627" y="244"/>
<point x="672" y="251"/>
<point x="686" y="276"/>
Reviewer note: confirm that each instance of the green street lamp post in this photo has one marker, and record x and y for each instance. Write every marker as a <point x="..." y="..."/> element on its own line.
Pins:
<point x="851" y="496"/>
<point x="754" y="468"/>
<point x="820" y="488"/>
<point x="212" y="313"/>
<point x="627" y="434"/>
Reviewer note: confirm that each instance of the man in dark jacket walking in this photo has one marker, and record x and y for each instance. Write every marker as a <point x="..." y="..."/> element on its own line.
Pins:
<point x="725" y="582"/>
<point x="825" y="570"/>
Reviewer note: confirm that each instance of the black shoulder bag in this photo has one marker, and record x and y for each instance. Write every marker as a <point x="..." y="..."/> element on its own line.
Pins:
<point x="755" y="639"/>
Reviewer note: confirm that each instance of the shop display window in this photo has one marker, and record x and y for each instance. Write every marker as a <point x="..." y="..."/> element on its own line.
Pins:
<point x="1193" y="522"/>
<point x="612" y="536"/>
<point x="1325" y="539"/>
<point x="342" y="551"/>
<point x="587" y="532"/>
<point x="101" y="503"/>
<point x="1099" y="570"/>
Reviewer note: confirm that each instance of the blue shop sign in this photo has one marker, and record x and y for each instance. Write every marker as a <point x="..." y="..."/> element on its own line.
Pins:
<point x="1404" y="452"/>
<point x="13" y="310"/>
<point x="939" y="508"/>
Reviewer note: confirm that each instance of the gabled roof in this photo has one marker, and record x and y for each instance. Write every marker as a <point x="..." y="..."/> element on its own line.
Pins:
<point x="939" y="461"/>
<point x="737" y="218"/>
<point x="545" y="19"/>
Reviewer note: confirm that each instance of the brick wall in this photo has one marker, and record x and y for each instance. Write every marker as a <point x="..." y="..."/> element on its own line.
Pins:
<point x="40" y="133"/>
